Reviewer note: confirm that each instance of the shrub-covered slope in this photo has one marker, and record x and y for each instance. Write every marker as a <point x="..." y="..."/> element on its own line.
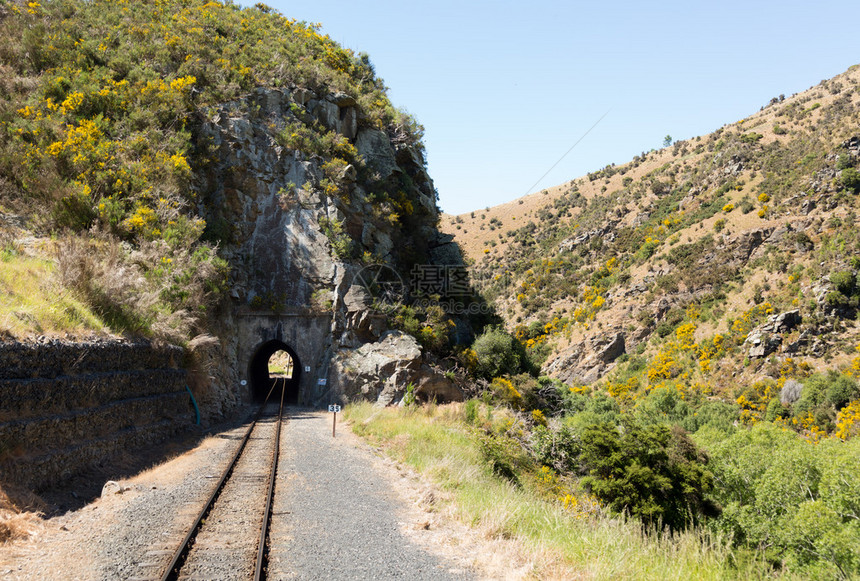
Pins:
<point x="694" y="312"/>
<point x="101" y="108"/>
<point x="724" y="265"/>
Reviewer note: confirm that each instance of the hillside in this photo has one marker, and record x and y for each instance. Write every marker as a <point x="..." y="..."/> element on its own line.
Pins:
<point x="143" y="144"/>
<point x="709" y="236"/>
<point x="709" y="291"/>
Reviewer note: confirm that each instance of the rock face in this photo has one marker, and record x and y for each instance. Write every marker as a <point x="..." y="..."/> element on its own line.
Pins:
<point x="588" y="361"/>
<point x="381" y="372"/>
<point x="280" y="223"/>
<point x="376" y="149"/>
<point x="293" y="242"/>
<point x="364" y="324"/>
<point x="766" y="339"/>
<point x="279" y="249"/>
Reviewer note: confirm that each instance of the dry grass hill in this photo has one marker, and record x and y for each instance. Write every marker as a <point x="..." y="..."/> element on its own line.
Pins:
<point x="708" y="237"/>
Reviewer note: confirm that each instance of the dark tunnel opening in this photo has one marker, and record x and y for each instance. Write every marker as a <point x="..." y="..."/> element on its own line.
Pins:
<point x="275" y="363"/>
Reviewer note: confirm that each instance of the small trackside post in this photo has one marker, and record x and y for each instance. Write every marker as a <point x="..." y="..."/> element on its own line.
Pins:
<point x="334" y="408"/>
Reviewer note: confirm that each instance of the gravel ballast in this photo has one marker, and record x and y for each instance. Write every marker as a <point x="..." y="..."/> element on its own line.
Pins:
<point x="336" y="515"/>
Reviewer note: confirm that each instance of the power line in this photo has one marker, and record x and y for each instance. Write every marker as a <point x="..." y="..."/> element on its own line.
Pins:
<point x="566" y="152"/>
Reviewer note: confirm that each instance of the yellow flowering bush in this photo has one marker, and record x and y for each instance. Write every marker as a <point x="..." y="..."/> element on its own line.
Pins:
<point x="685" y="335"/>
<point x="662" y="366"/>
<point x="623" y="391"/>
<point x="504" y="390"/>
<point x="808" y="425"/>
<point x="848" y="421"/>
<point x="855" y="363"/>
<point x="468" y="358"/>
<point x="143" y="221"/>
<point x="708" y="350"/>
<point x="753" y="401"/>
<point x="743" y="324"/>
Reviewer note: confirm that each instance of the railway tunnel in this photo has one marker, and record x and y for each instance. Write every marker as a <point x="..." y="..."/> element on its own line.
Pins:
<point x="275" y="362"/>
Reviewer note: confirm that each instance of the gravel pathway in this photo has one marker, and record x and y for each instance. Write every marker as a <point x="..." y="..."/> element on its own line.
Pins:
<point x="336" y="515"/>
<point x="334" y="518"/>
<point x="132" y="530"/>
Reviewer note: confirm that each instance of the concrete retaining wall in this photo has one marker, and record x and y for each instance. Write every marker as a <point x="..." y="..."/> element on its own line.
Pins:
<point x="67" y="406"/>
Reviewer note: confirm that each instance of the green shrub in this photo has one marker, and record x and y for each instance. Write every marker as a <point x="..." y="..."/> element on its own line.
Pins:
<point x="653" y="472"/>
<point x="845" y="282"/>
<point x="498" y="354"/>
<point x="844" y="161"/>
<point x="342" y="245"/>
<point x="557" y="448"/>
<point x="504" y="455"/>
<point x="850" y="179"/>
<point x="663" y="406"/>
<point x="825" y="394"/>
<point x="775" y="410"/>
<point x="841" y="390"/>
<point x="598" y="408"/>
<point x="720" y="417"/>
<point x="798" y="502"/>
<point x="470" y="411"/>
<point x="542" y="394"/>
<point x="751" y="137"/>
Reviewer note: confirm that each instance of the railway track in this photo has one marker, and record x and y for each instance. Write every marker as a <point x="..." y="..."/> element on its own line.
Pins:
<point x="228" y="539"/>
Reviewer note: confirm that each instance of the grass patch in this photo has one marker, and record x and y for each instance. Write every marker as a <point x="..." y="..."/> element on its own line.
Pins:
<point x="437" y="441"/>
<point x="32" y="303"/>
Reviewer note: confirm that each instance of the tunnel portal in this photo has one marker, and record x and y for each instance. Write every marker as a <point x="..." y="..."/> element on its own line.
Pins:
<point x="262" y="379"/>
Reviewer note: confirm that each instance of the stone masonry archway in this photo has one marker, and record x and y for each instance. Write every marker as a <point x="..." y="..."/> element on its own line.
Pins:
<point x="305" y="336"/>
<point x="261" y="381"/>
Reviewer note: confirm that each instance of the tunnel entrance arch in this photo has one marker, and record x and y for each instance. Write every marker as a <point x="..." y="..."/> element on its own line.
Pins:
<point x="288" y="377"/>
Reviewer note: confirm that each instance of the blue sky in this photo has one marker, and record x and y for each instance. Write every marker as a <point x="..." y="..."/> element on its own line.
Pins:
<point x="504" y="89"/>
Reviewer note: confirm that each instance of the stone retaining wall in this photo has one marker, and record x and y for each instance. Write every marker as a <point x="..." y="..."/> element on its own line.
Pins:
<point x="67" y="406"/>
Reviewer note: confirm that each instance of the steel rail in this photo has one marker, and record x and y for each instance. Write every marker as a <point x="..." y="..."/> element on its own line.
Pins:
<point x="181" y="553"/>
<point x="262" y="553"/>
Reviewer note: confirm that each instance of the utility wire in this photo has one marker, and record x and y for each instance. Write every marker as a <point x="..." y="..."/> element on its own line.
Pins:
<point x="566" y="152"/>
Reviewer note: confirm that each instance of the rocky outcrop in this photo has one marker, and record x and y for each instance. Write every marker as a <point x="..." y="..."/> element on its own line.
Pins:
<point x="286" y="233"/>
<point x="264" y="192"/>
<point x="373" y="145"/>
<point x="734" y="252"/>
<point x="607" y="232"/>
<point x="588" y="361"/>
<point x="443" y="250"/>
<point x="766" y="339"/>
<point x="382" y="371"/>
<point x="293" y="225"/>
<point x="365" y="324"/>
